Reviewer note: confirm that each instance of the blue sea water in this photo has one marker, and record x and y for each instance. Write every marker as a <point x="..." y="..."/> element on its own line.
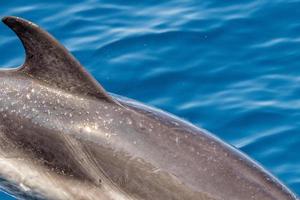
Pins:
<point x="231" y="67"/>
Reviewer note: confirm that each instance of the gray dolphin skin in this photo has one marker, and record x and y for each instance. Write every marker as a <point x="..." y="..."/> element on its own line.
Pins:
<point x="63" y="137"/>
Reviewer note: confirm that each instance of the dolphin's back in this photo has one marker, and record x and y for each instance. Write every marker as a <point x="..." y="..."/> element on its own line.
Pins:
<point x="202" y="163"/>
<point x="63" y="137"/>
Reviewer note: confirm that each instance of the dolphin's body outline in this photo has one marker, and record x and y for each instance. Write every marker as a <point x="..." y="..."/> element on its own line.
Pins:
<point x="62" y="136"/>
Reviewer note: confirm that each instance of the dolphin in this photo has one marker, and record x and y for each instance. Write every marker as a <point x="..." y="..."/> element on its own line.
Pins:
<point x="63" y="137"/>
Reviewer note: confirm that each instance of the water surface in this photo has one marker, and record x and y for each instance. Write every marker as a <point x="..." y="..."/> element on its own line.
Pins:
<point x="231" y="67"/>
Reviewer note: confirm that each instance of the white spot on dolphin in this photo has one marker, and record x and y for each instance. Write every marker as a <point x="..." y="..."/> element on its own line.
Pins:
<point x="177" y="140"/>
<point x="88" y="129"/>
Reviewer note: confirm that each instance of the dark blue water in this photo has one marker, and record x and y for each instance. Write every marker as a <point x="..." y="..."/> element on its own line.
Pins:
<point x="231" y="67"/>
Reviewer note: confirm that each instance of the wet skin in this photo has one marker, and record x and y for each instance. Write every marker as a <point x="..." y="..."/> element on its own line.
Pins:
<point x="63" y="137"/>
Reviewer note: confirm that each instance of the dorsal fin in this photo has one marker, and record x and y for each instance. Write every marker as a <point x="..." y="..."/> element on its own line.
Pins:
<point x="48" y="61"/>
